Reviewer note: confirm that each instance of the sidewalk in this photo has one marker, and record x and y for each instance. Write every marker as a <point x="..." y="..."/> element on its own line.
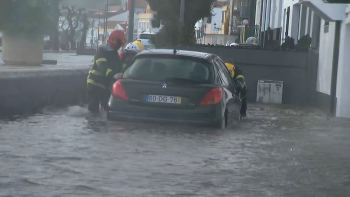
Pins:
<point x="64" y="61"/>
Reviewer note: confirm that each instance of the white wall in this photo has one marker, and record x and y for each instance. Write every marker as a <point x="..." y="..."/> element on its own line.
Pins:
<point x="325" y="58"/>
<point x="216" y="19"/>
<point x="343" y="83"/>
<point x="258" y="12"/>
<point x="286" y="4"/>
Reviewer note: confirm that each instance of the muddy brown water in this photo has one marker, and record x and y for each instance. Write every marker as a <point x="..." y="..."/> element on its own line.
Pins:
<point x="277" y="151"/>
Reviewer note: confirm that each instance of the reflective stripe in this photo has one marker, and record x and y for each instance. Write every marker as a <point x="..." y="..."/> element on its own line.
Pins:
<point x="240" y="77"/>
<point x="108" y="71"/>
<point x="123" y="67"/>
<point x="96" y="84"/>
<point x="101" y="60"/>
<point x="96" y="73"/>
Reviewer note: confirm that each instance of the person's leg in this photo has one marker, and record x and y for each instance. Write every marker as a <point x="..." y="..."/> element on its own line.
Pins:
<point x="105" y="94"/>
<point x="244" y="96"/>
<point x="93" y="99"/>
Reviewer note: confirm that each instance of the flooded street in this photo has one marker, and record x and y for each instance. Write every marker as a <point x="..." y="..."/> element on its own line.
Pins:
<point x="277" y="151"/>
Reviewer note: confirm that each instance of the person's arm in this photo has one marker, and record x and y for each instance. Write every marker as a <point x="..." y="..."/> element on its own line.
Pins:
<point x="114" y="66"/>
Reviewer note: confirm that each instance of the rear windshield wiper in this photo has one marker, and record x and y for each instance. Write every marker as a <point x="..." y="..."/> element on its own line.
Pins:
<point x="180" y="80"/>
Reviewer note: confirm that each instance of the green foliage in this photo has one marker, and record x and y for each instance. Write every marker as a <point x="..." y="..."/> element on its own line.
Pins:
<point x="21" y="18"/>
<point x="168" y="14"/>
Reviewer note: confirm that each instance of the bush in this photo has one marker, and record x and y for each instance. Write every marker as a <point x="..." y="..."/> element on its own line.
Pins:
<point x="30" y="18"/>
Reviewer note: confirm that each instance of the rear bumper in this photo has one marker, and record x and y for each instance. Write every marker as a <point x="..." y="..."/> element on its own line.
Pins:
<point x="124" y="111"/>
<point x="124" y="116"/>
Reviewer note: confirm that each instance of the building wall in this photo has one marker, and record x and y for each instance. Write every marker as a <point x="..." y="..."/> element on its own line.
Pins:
<point x="258" y="12"/>
<point x="343" y="88"/>
<point x="286" y="4"/>
<point x="216" y="18"/>
<point x="325" y="59"/>
<point x="272" y="65"/>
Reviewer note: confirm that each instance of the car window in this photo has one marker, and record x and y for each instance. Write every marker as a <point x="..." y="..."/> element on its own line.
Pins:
<point x="155" y="68"/>
<point x="146" y="36"/>
<point x="221" y="73"/>
<point x="225" y="70"/>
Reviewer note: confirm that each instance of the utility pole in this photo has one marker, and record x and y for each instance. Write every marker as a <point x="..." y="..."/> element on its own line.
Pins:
<point x="131" y="21"/>
<point x="182" y="12"/>
<point x="231" y="17"/>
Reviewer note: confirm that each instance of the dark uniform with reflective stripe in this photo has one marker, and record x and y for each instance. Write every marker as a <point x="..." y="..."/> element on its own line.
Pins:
<point x="241" y="89"/>
<point x="106" y="64"/>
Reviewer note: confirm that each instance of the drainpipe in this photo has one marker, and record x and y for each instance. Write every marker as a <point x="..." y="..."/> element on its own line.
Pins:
<point x="335" y="68"/>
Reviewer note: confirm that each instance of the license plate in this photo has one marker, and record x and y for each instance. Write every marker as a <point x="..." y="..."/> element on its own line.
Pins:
<point x="163" y="99"/>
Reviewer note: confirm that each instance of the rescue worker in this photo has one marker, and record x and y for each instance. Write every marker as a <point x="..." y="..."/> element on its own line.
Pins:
<point x="240" y="86"/>
<point x="106" y="64"/>
<point x="129" y="53"/>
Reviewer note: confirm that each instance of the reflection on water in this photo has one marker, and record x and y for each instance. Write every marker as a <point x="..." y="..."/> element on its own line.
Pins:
<point x="275" y="152"/>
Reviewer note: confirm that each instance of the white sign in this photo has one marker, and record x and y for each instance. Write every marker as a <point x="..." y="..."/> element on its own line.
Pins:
<point x="245" y="22"/>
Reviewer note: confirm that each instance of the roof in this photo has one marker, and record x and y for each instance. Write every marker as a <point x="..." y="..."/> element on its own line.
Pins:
<point x="122" y="17"/>
<point x="113" y="23"/>
<point x="141" y="4"/>
<point x="221" y="3"/>
<point x="328" y="12"/>
<point x="179" y="52"/>
<point x="114" y="8"/>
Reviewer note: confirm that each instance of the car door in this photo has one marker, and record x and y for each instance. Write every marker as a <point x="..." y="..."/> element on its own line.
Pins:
<point x="231" y="103"/>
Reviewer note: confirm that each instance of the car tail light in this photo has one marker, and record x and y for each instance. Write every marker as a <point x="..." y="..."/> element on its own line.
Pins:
<point x="119" y="91"/>
<point x="213" y="97"/>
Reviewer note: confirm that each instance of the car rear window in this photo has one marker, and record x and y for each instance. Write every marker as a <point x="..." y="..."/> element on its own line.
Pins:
<point x="146" y="36"/>
<point x="170" y="68"/>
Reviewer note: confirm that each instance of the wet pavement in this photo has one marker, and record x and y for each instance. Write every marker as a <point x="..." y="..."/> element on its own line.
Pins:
<point x="277" y="151"/>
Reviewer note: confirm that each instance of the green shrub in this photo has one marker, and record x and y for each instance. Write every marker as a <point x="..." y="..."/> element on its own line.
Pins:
<point x="25" y="18"/>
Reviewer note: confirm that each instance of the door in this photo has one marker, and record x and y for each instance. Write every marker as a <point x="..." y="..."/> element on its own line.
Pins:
<point x="232" y="106"/>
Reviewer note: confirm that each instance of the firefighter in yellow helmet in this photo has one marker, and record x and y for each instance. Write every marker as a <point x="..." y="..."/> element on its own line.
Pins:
<point x="240" y="86"/>
<point x="131" y="49"/>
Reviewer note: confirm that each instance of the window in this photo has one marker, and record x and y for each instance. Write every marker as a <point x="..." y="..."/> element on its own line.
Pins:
<point x="139" y="26"/>
<point x="143" y="26"/>
<point x="209" y="20"/>
<point x="223" y="17"/>
<point x="326" y="27"/>
<point x="146" y="36"/>
<point x="158" y="68"/>
<point x="147" y="28"/>
<point x="225" y="74"/>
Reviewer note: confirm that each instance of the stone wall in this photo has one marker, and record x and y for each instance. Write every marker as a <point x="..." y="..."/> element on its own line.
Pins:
<point x="32" y="89"/>
<point x="298" y="71"/>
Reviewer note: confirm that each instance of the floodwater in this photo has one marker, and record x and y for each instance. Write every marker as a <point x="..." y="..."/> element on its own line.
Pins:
<point x="277" y="151"/>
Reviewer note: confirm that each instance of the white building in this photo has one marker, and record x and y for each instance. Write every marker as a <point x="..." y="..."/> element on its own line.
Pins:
<point x="210" y="29"/>
<point x="329" y="27"/>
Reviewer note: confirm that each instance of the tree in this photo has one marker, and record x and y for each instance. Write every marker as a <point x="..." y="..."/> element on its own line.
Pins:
<point x="86" y="22"/>
<point x="55" y="15"/>
<point x="69" y="23"/>
<point x="28" y="19"/>
<point x="167" y="13"/>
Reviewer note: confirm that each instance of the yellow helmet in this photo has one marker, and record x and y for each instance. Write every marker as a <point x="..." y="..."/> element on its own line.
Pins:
<point x="140" y="45"/>
<point x="135" y="46"/>
<point x="231" y="68"/>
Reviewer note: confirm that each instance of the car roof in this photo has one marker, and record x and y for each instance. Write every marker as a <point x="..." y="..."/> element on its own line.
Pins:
<point x="184" y="53"/>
